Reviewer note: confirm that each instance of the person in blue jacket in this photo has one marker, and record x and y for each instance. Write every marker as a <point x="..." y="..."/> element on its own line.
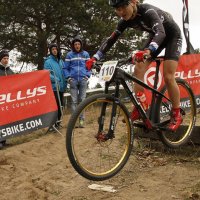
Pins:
<point x="55" y="65"/>
<point x="77" y="74"/>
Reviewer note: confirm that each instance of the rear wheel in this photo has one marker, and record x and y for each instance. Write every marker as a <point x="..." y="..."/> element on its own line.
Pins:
<point x="188" y="107"/>
<point x="93" y="158"/>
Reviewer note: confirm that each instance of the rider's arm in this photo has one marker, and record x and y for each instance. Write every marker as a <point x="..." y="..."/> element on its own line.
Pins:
<point x="157" y="27"/>
<point x="110" y="41"/>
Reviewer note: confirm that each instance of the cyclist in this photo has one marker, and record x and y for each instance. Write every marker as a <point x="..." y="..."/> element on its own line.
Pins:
<point x="164" y="33"/>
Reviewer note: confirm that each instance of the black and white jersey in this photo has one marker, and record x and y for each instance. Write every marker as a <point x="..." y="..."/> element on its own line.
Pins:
<point x="158" y="23"/>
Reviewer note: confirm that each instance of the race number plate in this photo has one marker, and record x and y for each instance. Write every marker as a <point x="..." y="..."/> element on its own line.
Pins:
<point x="107" y="70"/>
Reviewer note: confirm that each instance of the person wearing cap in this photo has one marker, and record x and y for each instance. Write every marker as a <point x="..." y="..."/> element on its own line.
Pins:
<point x="55" y="65"/>
<point x="4" y="71"/>
<point x="77" y="74"/>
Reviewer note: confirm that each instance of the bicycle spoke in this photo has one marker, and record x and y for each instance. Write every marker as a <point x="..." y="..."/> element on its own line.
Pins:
<point x="182" y="135"/>
<point x="100" y="159"/>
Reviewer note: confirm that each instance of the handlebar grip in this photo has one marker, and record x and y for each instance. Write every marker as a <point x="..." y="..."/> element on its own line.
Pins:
<point x="96" y="66"/>
<point x="130" y="59"/>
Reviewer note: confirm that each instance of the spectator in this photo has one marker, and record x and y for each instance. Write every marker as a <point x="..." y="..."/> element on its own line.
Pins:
<point x="4" y="71"/>
<point x="55" y="65"/>
<point x="77" y="74"/>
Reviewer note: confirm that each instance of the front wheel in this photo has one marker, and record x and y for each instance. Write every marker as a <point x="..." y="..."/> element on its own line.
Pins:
<point x="93" y="158"/>
<point x="188" y="107"/>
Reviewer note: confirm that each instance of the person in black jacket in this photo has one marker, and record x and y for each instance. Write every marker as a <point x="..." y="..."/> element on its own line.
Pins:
<point x="4" y="68"/>
<point x="163" y="33"/>
<point x="4" y="71"/>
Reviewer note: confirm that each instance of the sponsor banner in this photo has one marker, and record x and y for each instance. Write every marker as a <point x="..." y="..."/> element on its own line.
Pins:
<point x="24" y="97"/>
<point x="188" y="69"/>
<point x="185" y="103"/>
<point x="27" y="125"/>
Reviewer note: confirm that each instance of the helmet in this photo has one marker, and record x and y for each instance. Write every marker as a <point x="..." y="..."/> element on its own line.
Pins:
<point x="117" y="3"/>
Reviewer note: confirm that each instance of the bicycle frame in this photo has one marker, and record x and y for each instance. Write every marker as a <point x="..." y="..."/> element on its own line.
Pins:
<point x="109" y="145"/>
<point x="121" y="77"/>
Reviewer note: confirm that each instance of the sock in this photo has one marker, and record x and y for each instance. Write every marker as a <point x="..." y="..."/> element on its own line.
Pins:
<point x="142" y="98"/>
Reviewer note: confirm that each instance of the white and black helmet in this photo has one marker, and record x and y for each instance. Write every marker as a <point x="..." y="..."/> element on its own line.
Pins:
<point x="117" y="3"/>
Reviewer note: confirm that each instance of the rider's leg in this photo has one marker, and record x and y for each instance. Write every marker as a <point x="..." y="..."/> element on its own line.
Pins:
<point x="139" y="71"/>
<point x="169" y="69"/>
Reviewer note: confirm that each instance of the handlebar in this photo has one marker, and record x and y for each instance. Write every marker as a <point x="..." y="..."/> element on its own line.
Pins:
<point x="97" y="65"/>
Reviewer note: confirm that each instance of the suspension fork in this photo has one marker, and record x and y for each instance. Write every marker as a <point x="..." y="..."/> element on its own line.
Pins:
<point x="103" y="111"/>
<point x="113" y="113"/>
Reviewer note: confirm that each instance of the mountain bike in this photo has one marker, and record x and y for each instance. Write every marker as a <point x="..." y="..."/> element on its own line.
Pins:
<point x="101" y="149"/>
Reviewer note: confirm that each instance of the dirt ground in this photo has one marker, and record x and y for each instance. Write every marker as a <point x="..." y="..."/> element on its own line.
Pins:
<point x="36" y="167"/>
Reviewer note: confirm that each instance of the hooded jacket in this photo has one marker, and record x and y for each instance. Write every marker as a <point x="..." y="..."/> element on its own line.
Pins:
<point x="4" y="71"/>
<point x="55" y="66"/>
<point x="75" y="63"/>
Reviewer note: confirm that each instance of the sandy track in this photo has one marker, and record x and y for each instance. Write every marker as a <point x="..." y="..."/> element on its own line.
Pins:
<point x="40" y="169"/>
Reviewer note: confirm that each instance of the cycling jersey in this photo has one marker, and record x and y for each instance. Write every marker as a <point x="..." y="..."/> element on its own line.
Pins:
<point x="162" y="29"/>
